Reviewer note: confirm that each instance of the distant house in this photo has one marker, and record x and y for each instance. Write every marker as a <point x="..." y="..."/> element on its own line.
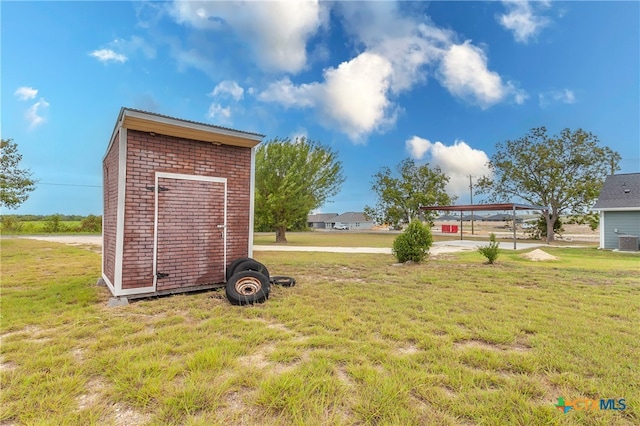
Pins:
<point x="353" y="221"/>
<point x="501" y="217"/>
<point x="619" y="208"/>
<point x="448" y="218"/>
<point x="321" y="220"/>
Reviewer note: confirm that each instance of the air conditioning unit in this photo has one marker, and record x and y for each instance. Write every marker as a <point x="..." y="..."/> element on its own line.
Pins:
<point x="628" y="243"/>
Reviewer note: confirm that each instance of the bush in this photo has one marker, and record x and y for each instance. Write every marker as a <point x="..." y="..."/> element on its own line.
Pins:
<point x="413" y="244"/>
<point x="91" y="223"/>
<point x="10" y="224"/>
<point x="490" y="251"/>
<point x="54" y="224"/>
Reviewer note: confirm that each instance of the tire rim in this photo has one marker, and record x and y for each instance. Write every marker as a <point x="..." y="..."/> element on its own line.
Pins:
<point x="248" y="286"/>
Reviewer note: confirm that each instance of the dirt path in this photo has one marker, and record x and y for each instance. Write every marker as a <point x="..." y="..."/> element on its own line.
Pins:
<point x="437" y="248"/>
<point x="67" y="239"/>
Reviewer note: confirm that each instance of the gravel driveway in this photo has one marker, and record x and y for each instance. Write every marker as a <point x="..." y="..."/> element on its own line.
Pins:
<point x="437" y="248"/>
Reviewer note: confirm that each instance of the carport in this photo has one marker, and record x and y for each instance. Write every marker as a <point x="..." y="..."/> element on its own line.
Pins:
<point x="486" y="207"/>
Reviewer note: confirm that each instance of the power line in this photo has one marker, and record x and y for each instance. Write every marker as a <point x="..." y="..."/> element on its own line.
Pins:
<point x="68" y="184"/>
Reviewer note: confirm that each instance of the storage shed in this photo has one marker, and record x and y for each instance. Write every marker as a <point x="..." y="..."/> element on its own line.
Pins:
<point x="178" y="204"/>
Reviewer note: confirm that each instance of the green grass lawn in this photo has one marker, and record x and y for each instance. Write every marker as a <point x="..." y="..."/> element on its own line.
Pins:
<point x="328" y="239"/>
<point x="373" y="239"/>
<point x="358" y="341"/>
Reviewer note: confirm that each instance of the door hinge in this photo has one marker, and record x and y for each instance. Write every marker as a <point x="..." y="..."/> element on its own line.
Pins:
<point x="160" y="188"/>
<point x="161" y="275"/>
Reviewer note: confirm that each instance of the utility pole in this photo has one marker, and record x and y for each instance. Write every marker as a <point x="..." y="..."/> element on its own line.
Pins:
<point x="471" y="194"/>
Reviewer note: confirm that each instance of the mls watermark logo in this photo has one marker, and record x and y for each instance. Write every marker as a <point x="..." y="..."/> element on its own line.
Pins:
<point x="586" y="404"/>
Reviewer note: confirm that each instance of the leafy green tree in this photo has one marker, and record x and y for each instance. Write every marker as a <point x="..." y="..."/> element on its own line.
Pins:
<point x="292" y="179"/>
<point x="400" y="197"/>
<point x="15" y="183"/>
<point x="564" y="172"/>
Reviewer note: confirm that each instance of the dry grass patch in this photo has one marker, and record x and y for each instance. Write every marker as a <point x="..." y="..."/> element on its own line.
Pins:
<point x="356" y="341"/>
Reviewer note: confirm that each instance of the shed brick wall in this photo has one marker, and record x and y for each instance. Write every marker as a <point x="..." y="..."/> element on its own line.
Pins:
<point x="110" y="193"/>
<point x="147" y="155"/>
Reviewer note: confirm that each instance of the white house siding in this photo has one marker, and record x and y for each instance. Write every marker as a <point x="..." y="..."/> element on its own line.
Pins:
<point x="359" y="225"/>
<point x="626" y="222"/>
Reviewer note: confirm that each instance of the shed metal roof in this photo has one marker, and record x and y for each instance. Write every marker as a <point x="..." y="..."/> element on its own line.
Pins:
<point x="151" y="122"/>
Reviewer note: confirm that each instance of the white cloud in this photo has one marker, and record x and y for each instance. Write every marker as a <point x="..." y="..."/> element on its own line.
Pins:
<point x="193" y="58"/>
<point x="277" y="32"/>
<point x="25" y="93"/>
<point x="398" y="49"/>
<point x="228" y="88"/>
<point x="357" y="96"/>
<point x="407" y="43"/>
<point x="108" y="55"/>
<point x="132" y="46"/>
<point x="463" y="71"/>
<point x="289" y="95"/>
<point x="564" y="96"/>
<point x="523" y="20"/>
<point x="418" y="147"/>
<point x="353" y="95"/>
<point x="35" y="114"/>
<point x="457" y="161"/>
<point x="220" y="114"/>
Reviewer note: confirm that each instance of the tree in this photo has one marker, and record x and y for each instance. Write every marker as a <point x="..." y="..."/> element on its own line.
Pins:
<point x="292" y="179"/>
<point x="564" y="173"/>
<point x="400" y="198"/>
<point x="15" y="183"/>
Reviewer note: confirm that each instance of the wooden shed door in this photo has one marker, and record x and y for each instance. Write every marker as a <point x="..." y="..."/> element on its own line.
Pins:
<point x="190" y="231"/>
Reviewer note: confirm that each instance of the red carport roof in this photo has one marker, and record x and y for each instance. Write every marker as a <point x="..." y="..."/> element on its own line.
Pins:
<point x="484" y="207"/>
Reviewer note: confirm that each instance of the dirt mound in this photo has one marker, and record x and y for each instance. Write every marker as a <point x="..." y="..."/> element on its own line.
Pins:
<point x="538" y="255"/>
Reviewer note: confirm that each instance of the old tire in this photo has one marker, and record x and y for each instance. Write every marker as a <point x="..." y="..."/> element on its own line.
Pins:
<point x="283" y="281"/>
<point x="232" y="267"/>
<point x="247" y="288"/>
<point x="252" y="265"/>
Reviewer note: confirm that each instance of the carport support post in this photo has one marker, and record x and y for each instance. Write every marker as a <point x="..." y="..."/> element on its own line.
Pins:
<point x="514" y="227"/>
<point x="460" y="225"/>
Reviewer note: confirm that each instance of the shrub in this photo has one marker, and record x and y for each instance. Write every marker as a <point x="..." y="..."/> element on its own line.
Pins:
<point x="91" y="223"/>
<point x="54" y="224"/>
<point x="10" y="224"/>
<point x="414" y="243"/>
<point x="490" y="251"/>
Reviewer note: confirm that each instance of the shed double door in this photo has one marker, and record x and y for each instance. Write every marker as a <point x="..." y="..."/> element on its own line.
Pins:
<point x="190" y="231"/>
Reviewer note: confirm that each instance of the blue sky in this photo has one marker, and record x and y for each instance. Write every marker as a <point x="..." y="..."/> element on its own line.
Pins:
<point x="441" y="82"/>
